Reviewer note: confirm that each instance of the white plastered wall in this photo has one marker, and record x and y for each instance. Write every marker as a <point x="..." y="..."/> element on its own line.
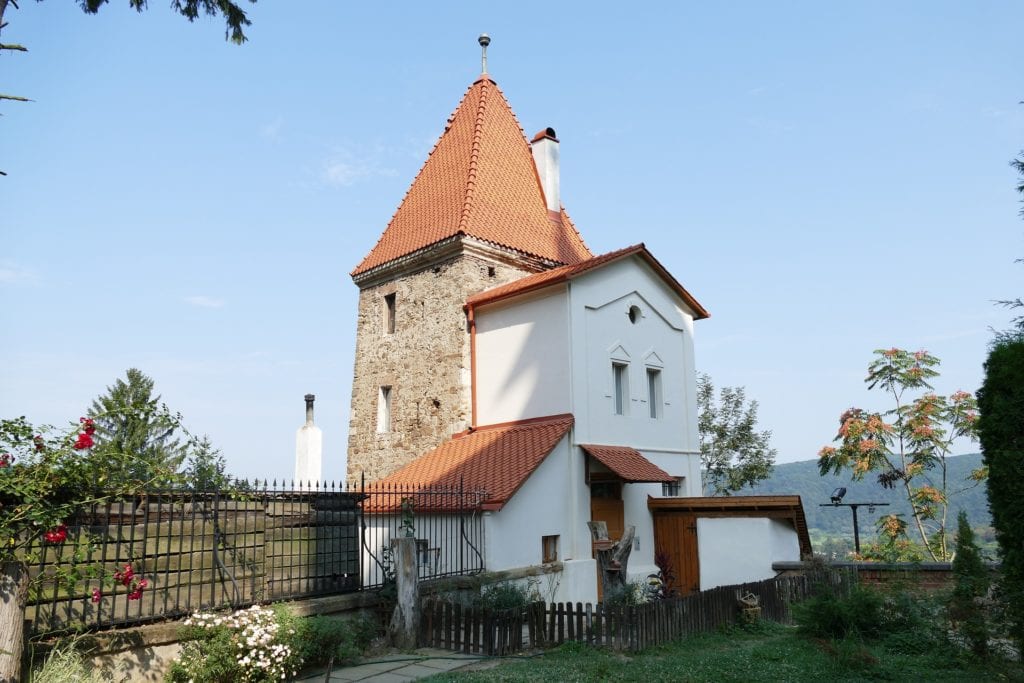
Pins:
<point x="522" y="358"/>
<point x="662" y="337"/>
<point x="742" y="549"/>
<point x="552" y="501"/>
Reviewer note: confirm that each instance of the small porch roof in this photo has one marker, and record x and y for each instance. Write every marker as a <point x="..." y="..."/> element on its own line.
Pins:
<point x="628" y="464"/>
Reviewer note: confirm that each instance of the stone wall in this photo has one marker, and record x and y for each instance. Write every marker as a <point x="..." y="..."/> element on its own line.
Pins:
<point x="425" y="361"/>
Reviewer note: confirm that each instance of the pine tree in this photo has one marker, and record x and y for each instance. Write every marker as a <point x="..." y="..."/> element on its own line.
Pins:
<point x="970" y="588"/>
<point x="135" y="434"/>
<point x="206" y="468"/>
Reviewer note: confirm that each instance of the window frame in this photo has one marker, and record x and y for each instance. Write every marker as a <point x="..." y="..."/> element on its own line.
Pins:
<point x="390" y="312"/>
<point x="620" y="387"/>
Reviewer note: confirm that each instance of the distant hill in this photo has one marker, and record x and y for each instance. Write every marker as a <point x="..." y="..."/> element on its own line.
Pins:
<point x="802" y="478"/>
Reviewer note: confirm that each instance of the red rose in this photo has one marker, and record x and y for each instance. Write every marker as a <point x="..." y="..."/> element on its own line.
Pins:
<point x="58" y="534"/>
<point x="96" y="595"/>
<point x="90" y="426"/>
<point x="84" y="441"/>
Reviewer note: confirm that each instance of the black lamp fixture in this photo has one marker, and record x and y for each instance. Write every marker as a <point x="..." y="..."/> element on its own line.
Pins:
<point x="837" y="500"/>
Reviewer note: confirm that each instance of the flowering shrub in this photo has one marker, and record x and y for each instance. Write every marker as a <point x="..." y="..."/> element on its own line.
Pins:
<point x="247" y="645"/>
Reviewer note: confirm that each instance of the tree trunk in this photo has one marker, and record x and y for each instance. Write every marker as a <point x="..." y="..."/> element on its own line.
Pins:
<point x="13" y="592"/>
<point x="612" y="558"/>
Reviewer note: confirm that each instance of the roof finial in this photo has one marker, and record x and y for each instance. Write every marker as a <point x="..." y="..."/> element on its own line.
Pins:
<point x="484" y="41"/>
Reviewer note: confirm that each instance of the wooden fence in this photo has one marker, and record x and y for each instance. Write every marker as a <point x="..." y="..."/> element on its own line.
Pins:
<point x="619" y="627"/>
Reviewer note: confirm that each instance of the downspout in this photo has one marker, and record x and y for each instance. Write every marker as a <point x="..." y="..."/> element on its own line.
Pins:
<point x="471" y="320"/>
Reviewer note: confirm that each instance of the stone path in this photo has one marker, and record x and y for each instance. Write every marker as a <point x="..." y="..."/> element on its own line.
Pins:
<point x="395" y="668"/>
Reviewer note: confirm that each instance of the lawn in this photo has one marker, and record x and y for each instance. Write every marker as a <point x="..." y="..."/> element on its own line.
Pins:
<point x="766" y="653"/>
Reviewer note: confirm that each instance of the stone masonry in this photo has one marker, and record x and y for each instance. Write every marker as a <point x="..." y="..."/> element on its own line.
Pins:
<point x="425" y="361"/>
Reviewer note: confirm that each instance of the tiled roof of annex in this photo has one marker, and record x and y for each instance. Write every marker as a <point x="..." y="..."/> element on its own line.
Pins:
<point x="494" y="458"/>
<point x="479" y="181"/>
<point x="565" y="273"/>
<point x="628" y="463"/>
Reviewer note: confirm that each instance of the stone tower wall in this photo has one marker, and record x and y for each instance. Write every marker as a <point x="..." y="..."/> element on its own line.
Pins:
<point x="426" y="362"/>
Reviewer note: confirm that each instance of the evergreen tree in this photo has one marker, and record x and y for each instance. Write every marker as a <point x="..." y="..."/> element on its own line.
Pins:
<point x="970" y="588"/>
<point x="135" y="435"/>
<point x="206" y="468"/>
<point x="733" y="453"/>
<point x="1001" y="431"/>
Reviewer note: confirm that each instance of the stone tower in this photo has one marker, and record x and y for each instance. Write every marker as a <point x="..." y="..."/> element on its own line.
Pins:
<point x="475" y="217"/>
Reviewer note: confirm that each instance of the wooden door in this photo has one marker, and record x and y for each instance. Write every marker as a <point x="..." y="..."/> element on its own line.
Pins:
<point x="675" y="534"/>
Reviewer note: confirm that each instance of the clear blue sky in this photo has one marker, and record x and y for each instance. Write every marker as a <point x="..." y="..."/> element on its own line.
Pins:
<point x="825" y="179"/>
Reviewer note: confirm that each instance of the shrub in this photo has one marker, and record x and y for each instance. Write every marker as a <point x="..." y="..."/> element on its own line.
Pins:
<point x="506" y="595"/>
<point x="247" y="645"/>
<point x="632" y="594"/>
<point x="828" y="615"/>
<point x="316" y="640"/>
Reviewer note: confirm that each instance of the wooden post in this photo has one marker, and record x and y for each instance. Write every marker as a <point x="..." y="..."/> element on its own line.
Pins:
<point x="405" y="619"/>
<point x="13" y="592"/>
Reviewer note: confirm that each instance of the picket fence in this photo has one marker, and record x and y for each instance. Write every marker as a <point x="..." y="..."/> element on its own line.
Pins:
<point x="474" y="630"/>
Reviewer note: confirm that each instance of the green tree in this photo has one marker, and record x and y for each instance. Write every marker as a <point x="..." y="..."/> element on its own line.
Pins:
<point x="206" y="469"/>
<point x="733" y="453"/>
<point x="235" y="18"/>
<point x="909" y="451"/>
<point x="971" y="579"/>
<point x="1001" y="431"/>
<point x="130" y="421"/>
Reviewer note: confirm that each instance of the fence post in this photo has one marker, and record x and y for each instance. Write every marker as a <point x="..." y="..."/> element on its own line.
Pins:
<point x="405" y="619"/>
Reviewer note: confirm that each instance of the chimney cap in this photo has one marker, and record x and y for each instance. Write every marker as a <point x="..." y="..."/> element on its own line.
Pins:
<point x="546" y="134"/>
<point x="310" y="397"/>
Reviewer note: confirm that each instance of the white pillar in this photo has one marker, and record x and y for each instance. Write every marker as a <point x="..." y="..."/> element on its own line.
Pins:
<point x="309" y="446"/>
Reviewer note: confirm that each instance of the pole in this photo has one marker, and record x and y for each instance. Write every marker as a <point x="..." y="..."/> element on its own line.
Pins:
<point x="856" y="529"/>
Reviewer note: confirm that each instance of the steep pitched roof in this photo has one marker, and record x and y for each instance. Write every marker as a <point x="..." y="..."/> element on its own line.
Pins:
<point x="628" y="463"/>
<point x="479" y="181"/>
<point x="565" y="273"/>
<point x="496" y="459"/>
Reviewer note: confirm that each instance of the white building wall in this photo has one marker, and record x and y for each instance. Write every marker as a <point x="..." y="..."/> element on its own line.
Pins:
<point x="522" y="359"/>
<point x="550" y="502"/>
<point x="661" y="337"/>
<point x="742" y="549"/>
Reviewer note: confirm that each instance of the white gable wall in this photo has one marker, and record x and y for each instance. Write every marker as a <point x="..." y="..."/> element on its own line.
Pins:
<point x="662" y="337"/>
<point x="522" y="358"/>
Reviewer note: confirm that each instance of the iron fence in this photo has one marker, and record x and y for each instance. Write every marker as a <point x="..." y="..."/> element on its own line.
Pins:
<point x="257" y="543"/>
<point x="445" y="521"/>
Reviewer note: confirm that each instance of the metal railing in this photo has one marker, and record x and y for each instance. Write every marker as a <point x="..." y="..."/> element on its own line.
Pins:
<point x="446" y="522"/>
<point x="256" y="543"/>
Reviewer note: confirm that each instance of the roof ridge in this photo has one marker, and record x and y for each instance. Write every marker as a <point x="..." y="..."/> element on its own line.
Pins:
<point x="474" y="157"/>
<point x="517" y="424"/>
<point x="567" y="219"/>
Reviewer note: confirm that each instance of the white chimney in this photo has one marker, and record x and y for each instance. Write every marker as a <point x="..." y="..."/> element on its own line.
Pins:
<point x="309" y="446"/>
<point x="545" y="158"/>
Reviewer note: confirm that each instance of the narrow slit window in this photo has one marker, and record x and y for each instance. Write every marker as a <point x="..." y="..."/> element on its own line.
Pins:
<point x="389" y="313"/>
<point x="654" y="402"/>
<point x="384" y="410"/>
<point x="620" y="381"/>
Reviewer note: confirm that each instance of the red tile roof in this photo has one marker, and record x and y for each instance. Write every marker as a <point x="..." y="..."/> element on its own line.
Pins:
<point x="628" y="463"/>
<point x="496" y="459"/>
<point x="479" y="181"/>
<point x="565" y="273"/>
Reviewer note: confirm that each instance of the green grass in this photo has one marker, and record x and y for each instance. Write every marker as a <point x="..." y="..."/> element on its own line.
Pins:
<point x="767" y="653"/>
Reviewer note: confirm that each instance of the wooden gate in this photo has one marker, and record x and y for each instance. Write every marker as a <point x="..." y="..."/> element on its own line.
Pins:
<point x="675" y="534"/>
